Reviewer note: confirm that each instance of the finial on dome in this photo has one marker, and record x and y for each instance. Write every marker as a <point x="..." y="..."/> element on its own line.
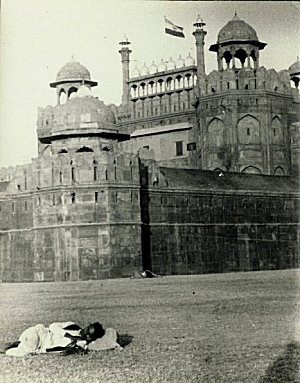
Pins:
<point x="235" y="17"/>
<point x="199" y="23"/>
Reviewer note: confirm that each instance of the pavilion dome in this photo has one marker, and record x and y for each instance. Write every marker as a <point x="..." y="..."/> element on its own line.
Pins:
<point x="73" y="70"/>
<point x="153" y="68"/>
<point x="236" y="30"/>
<point x="144" y="70"/>
<point x="180" y="62"/>
<point x="162" y="66"/>
<point x="171" y="64"/>
<point x="135" y="72"/>
<point x="294" y="69"/>
<point x="189" y="60"/>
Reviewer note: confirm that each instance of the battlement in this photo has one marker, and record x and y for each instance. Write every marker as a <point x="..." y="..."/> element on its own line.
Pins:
<point x="246" y="79"/>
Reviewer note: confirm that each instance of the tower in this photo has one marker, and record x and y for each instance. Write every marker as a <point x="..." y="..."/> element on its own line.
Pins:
<point x="199" y="34"/>
<point x="125" y="54"/>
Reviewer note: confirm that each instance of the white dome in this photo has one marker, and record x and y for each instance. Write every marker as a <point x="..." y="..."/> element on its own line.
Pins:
<point x="153" y="68"/>
<point x="171" y="64"/>
<point x="189" y="60"/>
<point x="84" y="91"/>
<point x="144" y="70"/>
<point x="135" y="72"/>
<point x="162" y="66"/>
<point x="180" y="62"/>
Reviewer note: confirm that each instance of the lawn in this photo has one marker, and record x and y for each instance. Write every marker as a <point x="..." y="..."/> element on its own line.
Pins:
<point x="237" y="327"/>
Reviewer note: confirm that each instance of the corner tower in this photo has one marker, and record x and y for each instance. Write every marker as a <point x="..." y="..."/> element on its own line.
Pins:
<point x="242" y="107"/>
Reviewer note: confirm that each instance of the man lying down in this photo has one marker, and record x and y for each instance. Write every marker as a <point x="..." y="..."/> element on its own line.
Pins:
<point x="66" y="337"/>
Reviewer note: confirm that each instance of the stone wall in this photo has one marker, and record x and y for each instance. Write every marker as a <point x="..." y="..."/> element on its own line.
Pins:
<point x="76" y="217"/>
<point x="200" y="229"/>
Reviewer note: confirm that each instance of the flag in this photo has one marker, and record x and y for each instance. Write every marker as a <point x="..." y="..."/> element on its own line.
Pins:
<point x="172" y="29"/>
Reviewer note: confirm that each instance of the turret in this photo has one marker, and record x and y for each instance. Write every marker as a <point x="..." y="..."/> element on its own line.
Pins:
<point x="69" y="79"/>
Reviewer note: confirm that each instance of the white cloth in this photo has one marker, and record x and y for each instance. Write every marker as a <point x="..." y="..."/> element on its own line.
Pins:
<point x="107" y="342"/>
<point x="39" y="339"/>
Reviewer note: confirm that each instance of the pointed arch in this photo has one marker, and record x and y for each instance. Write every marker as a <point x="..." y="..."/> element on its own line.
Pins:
<point x="276" y="133"/>
<point x="279" y="171"/>
<point x="62" y="151"/>
<point x="62" y="96"/>
<point x="251" y="170"/>
<point x="215" y="132"/>
<point x="248" y="128"/>
<point x="84" y="149"/>
<point x="72" y="92"/>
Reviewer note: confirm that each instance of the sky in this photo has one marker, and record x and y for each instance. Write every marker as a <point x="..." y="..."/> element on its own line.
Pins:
<point x="37" y="37"/>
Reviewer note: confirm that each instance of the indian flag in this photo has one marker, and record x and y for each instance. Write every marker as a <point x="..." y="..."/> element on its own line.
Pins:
<point x="172" y="29"/>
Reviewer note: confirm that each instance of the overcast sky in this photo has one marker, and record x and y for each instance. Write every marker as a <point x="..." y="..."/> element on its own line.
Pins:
<point x="39" y="36"/>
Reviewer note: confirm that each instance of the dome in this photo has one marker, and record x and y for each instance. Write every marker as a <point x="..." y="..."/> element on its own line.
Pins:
<point x="171" y="64"/>
<point x="84" y="91"/>
<point x="180" y="62"/>
<point x="294" y="69"/>
<point x="73" y="71"/>
<point x="162" y="66"/>
<point x="153" y="68"/>
<point x="237" y="29"/>
<point x="135" y="72"/>
<point x="189" y="60"/>
<point x="144" y="70"/>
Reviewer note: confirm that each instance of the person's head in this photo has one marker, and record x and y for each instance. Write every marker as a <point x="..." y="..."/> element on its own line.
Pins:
<point x="92" y="332"/>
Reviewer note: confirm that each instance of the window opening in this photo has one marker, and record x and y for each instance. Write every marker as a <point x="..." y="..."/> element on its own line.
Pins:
<point x="179" y="148"/>
<point x="73" y="174"/>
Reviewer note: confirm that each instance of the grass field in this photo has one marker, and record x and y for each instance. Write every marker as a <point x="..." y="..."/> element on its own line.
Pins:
<point x="205" y="328"/>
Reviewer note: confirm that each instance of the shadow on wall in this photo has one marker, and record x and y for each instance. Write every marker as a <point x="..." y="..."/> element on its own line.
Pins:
<point x="286" y="367"/>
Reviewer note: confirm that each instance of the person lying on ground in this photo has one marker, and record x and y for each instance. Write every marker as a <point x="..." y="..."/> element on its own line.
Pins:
<point x="148" y="274"/>
<point x="64" y="337"/>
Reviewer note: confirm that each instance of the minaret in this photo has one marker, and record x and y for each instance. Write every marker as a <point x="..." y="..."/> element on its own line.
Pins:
<point x="125" y="53"/>
<point x="199" y="34"/>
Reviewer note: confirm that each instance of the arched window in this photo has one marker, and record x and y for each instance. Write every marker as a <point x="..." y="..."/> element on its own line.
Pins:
<point x="72" y="92"/>
<point x="133" y="91"/>
<point x="170" y="84"/>
<point x="161" y="86"/>
<point x="276" y="135"/>
<point x="241" y="55"/>
<point x="187" y="80"/>
<point x="248" y="130"/>
<point x="73" y="174"/>
<point x="216" y="133"/>
<point x="62" y="96"/>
